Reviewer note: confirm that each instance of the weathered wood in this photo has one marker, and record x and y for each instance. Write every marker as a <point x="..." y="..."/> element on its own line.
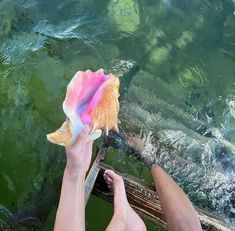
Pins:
<point x="93" y="172"/>
<point x="145" y="202"/>
<point x="213" y="223"/>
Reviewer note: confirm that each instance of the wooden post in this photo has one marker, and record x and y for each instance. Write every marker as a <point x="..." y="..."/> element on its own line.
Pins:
<point x="93" y="172"/>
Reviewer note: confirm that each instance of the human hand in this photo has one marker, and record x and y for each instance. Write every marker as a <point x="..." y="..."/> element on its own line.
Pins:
<point x="79" y="154"/>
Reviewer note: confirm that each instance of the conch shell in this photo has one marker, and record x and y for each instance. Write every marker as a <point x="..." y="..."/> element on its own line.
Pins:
<point x="91" y="99"/>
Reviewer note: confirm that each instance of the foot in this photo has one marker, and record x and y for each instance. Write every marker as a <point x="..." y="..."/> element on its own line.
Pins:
<point x="124" y="218"/>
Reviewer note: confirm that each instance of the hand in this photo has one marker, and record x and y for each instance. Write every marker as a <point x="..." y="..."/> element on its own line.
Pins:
<point x="79" y="154"/>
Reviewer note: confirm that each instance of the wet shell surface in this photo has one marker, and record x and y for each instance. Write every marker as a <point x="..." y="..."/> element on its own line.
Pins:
<point x="91" y="99"/>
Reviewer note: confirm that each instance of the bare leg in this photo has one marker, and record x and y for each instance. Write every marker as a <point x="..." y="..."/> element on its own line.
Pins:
<point x="179" y="211"/>
<point x="124" y="217"/>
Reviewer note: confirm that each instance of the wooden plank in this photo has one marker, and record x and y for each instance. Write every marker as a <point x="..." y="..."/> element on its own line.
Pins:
<point x="145" y="202"/>
<point x="213" y="223"/>
<point x="93" y="172"/>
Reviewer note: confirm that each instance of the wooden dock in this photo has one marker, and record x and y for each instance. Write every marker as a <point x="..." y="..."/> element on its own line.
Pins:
<point x="142" y="197"/>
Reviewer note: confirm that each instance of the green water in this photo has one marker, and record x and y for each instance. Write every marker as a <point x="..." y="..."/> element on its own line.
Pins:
<point x="182" y="89"/>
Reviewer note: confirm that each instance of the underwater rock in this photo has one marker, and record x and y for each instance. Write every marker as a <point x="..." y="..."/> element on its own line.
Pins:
<point x="229" y="119"/>
<point x="122" y="68"/>
<point x="168" y="92"/>
<point x="125" y="13"/>
<point x="19" y="94"/>
<point x="230" y="101"/>
<point x="193" y="75"/>
<point x="7" y="14"/>
<point x="157" y="108"/>
<point x="142" y="144"/>
<point x="169" y="132"/>
<point x="46" y="88"/>
<point x="157" y="114"/>
<point x="156" y="10"/>
<point x="219" y="137"/>
<point x="110" y="51"/>
<point x="159" y="54"/>
<point x="185" y="38"/>
<point x="155" y="35"/>
<point x="92" y="99"/>
<point x="88" y="61"/>
<point x="198" y="149"/>
<point x="232" y="199"/>
<point x="5" y="26"/>
<point x="53" y="83"/>
<point x="125" y="70"/>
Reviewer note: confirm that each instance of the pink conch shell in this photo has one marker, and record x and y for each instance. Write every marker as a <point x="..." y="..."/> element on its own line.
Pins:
<point x="92" y="99"/>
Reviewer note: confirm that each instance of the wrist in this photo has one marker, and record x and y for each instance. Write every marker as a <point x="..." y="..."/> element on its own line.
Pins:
<point x="75" y="171"/>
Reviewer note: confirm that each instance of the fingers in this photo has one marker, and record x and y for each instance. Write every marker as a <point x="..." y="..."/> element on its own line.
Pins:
<point x="82" y="136"/>
<point x="84" y="132"/>
<point x="95" y="135"/>
<point x="83" y="143"/>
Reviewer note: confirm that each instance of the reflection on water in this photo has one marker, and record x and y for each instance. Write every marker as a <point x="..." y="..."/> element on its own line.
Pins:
<point x="175" y="59"/>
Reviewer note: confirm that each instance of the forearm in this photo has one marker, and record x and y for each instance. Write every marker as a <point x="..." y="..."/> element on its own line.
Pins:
<point x="71" y="211"/>
<point x="178" y="209"/>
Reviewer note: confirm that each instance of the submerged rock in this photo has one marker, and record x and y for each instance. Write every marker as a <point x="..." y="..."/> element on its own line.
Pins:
<point x="5" y="26"/>
<point x="125" y="13"/>
<point x="19" y="94"/>
<point x="125" y="70"/>
<point x="229" y="119"/>
<point x="159" y="54"/>
<point x="232" y="199"/>
<point x="176" y="125"/>
<point x="7" y="14"/>
<point x="230" y="101"/>
<point x="185" y="38"/>
<point x="154" y="37"/>
<point x="193" y="74"/>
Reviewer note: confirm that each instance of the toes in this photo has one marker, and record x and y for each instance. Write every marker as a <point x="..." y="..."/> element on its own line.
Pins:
<point x="113" y="176"/>
<point x="108" y="179"/>
<point x="109" y="184"/>
<point x="110" y="187"/>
